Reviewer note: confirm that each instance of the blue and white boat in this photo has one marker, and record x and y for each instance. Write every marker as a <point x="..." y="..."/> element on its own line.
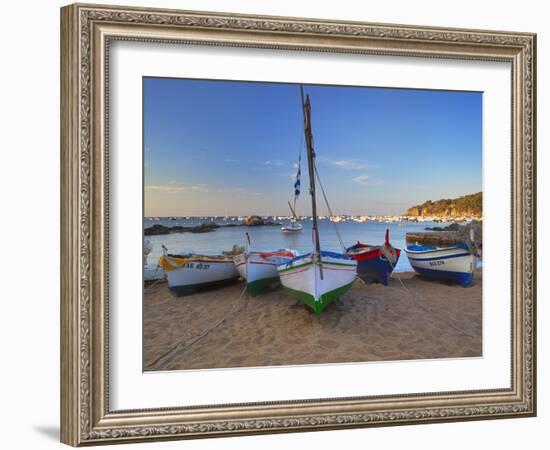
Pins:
<point x="454" y="263"/>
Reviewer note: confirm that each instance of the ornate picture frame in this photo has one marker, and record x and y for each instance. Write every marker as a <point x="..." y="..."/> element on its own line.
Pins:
<point x="86" y="34"/>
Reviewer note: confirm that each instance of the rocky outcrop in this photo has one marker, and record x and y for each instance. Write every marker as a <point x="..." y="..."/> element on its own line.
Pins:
<point x="207" y="227"/>
<point x="158" y="229"/>
<point x="253" y="221"/>
<point x="467" y="205"/>
<point x="256" y="221"/>
<point x="451" y="227"/>
<point x="450" y="235"/>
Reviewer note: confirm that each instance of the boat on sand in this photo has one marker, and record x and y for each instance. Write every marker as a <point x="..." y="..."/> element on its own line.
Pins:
<point x="375" y="263"/>
<point x="190" y="272"/>
<point x="319" y="277"/>
<point x="455" y="263"/>
<point x="259" y="268"/>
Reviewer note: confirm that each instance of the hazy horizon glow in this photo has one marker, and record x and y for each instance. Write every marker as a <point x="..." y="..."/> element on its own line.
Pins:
<point x="215" y="148"/>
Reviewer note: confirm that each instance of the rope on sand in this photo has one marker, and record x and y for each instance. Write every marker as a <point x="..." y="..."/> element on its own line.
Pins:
<point x="179" y="347"/>
<point x="418" y="301"/>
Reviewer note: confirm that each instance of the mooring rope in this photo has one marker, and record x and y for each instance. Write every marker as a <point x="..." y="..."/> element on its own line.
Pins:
<point x="388" y="253"/>
<point x="418" y="301"/>
<point x="179" y="347"/>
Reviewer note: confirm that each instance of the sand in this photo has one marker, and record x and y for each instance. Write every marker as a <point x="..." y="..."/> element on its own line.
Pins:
<point x="370" y="323"/>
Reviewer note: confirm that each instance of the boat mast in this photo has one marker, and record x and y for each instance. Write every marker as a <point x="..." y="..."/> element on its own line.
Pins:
<point x="306" y="109"/>
<point x="292" y="210"/>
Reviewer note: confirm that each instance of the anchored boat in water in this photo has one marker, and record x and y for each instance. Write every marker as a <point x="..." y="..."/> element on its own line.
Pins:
<point x="319" y="277"/>
<point x="190" y="272"/>
<point x="375" y="263"/>
<point x="294" y="226"/>
<point x="454" y="263"/>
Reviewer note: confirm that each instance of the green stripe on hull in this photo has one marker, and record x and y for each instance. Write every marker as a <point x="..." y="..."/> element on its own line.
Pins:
<point x="259" y="286"/>
<point x="324" y="300"/>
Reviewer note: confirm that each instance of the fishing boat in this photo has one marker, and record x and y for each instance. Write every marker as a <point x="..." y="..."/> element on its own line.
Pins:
<point x="319" y="277"/>
<point x="375" y="263"/>
<point x="454" y="263"/>
<point x="259" y="268"/>
<point x="190" y="272"/>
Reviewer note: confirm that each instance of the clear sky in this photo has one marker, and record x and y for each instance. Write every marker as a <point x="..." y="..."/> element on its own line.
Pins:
<point x="230" y="148"/>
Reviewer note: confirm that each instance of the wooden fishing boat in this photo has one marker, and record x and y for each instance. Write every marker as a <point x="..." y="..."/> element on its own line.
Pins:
<point x="375" y="263"/>
<point x="259" y="268"/>
<point x="317" y="278"/>
<point x="190" y="272"/>
<point x="454" y="263"/>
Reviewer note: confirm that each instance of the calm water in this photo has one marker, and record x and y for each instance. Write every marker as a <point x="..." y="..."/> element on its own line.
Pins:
<point x="270" y="237"/>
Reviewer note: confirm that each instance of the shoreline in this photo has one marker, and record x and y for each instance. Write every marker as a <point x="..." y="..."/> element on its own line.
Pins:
<point x="370" y="323"/>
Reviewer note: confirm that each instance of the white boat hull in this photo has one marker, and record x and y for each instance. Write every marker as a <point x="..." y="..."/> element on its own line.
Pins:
<point x="259" y="269"/>
<point x="318" y="283"/>
<point x="187" y="275"/>
<point x="292" y="227"/>
<point x="152" y="272"/>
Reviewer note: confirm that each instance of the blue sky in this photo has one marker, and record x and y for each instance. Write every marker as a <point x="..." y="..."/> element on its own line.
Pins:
<point x="230" y="148"/>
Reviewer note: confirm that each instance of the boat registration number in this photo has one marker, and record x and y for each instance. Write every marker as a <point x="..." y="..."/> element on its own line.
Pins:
<point x="199" y="266"/>
<point x="437" y="263"/>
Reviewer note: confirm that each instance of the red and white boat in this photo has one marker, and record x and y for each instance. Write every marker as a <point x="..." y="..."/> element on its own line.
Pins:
<point x="375" y="263"/>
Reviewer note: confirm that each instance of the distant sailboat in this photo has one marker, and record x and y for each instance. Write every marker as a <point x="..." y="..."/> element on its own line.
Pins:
<point x="294" y="226"/>
<point x="319" y="277"/>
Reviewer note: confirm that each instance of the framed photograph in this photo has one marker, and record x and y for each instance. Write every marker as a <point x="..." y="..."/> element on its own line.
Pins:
<point x="276" y="224"/>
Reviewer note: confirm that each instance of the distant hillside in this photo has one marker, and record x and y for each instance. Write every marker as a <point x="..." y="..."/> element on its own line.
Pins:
<point x="468" y="205"/>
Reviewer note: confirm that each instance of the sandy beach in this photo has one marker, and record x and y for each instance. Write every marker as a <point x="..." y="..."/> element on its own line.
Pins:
<point x="370" y="323"/>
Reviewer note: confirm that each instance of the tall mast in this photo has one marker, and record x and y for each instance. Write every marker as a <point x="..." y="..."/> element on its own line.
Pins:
<point x="306" y="108"/>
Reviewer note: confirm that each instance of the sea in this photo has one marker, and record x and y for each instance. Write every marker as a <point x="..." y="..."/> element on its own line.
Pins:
<point x="270" y="237"/>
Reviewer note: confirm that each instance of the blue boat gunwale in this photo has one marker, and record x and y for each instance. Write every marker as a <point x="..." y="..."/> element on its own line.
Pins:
<point x="323" y="253"/>
<point x="420" y="249"/>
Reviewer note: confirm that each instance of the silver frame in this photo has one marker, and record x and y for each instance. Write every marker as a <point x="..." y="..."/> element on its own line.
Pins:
<point x="86" y="33"/>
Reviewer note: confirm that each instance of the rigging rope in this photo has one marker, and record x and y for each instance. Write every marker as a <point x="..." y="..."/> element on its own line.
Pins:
<point x="329" y="209"/>
<point x="298" y="174"/>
